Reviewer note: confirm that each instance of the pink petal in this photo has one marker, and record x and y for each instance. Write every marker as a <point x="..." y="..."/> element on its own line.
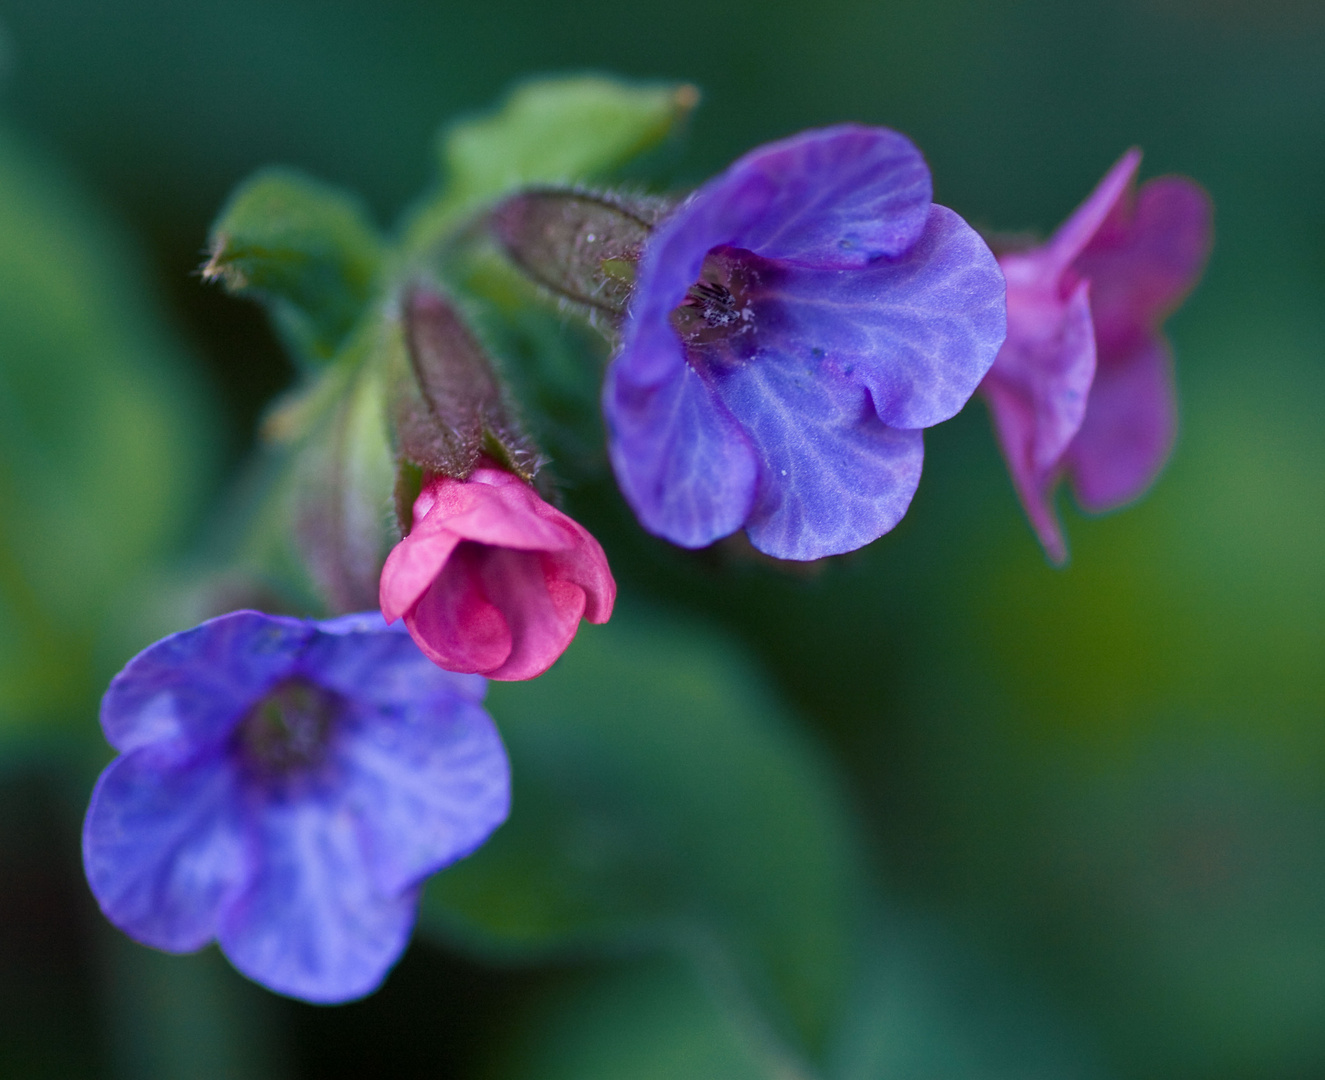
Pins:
<point x="1142" y="263"/>
<point x="585" y="565"/>
<point x="492" y="507"/>
<point x="1130" y="425"/>
<point x="543" y="613"/>
<point x="455" y="623"/>
<point x="411" y="568"/>
<point x="1036" y="392"/>
<point x="1104" y="202"/>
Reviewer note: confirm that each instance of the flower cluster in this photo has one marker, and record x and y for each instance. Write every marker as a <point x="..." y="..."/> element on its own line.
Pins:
<point x="783" y="338"/>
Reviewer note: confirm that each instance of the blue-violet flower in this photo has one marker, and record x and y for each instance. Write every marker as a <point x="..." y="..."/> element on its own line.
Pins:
<point x="794" y="325"/>
<point x="284" y="787"/>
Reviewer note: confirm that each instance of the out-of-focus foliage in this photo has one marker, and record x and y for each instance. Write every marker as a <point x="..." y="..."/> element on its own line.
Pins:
<point x="666" y="799"/>
<point x="105" y="447"/>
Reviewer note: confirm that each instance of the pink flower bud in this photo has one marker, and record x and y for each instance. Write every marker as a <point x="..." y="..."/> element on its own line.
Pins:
<point x="492" y="579"/>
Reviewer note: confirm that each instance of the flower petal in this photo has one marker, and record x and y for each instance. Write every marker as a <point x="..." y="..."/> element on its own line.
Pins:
<point x="832" y="477"/>
<point x="585" y="565"/>
<point x="427" y="781"/>
<point x="1037" y="392"/>
<point x="1130" y="425"/>
<point x="682" y="461"/>
<point x="542" y="612"/>
<point x="919" y="331"/>
<point x="162" y="846"/>
<point x="1107" y="202"/>
<point x="313" y="923"/>
<point x="1143" y="263"/>
<point x="195" y="686"/>
<point x="836" y="197"/>
<point x="381" y="668"/>
<point x="455" y="623"/>
<point x="411" y="567"/>
<point x="492" y="507"/>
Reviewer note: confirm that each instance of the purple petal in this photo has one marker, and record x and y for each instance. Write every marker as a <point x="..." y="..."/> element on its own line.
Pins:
<point x="1037" y="392"/>
<point x="427" y="781"/>
<point x="196" y="685"/>
<point x="162" y="846"/>
<point x="365" y="662"/>
<point x="919" y="331"/>
<point x="683" y="463"/>
<point x="1142" y="264"/>
<point x="1130" y="425"/>
<point x="839" y="197"/>
<point x="312" y="923"/>
<point x="832" y="477"/>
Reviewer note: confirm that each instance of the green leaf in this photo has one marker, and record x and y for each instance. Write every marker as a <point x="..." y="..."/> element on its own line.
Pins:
<point x="549" y="131"/>
<point x="561" y="131"/>
<point x="663" y="796"/>
<point x="305" y="250"/>
<point x="104" y="443"/>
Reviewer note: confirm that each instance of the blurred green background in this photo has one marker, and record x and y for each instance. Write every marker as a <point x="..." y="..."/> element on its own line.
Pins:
<point x="1091" y="802"/>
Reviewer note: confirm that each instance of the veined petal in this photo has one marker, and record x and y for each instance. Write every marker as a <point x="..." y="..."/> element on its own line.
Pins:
<point x="1128" y="432"/>
<point x="382" y="669"/>
<point x="837" y="197"/>
<point x="541" y="611"/>
<point x="427" y="781"/>
<point x="492" y="507"/>
<point x="1143" y="263"/>
<point x="163" y="848"/>
<point x="682" y="461"/>
<point x="832" y="476"/>
<point x="919" y="332"/>
<point x="313" y="922"/>
<point x="456" y="623"/>
<point x="194" y="686"/>
<point x="1037" y="392"/>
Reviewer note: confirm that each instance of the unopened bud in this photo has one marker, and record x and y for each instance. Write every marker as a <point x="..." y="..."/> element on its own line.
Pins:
<point x="583" y="247"/>
<point x="448" y="406"/>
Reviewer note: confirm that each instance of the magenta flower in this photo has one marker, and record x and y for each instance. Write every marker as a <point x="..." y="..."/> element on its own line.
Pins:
<point x="1084" y="386"/>
<point x="793" y="327"/>
<point x="284" y="787"/>
<point x="491" y="579"/>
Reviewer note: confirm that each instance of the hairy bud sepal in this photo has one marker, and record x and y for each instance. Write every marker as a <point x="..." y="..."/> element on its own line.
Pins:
<point x="581" y="246"/>
<point x="447" y="403"/>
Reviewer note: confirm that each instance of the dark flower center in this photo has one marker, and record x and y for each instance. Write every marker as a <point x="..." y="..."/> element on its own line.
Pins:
<point x="719" y="306"/>
<point x="288" y="728"/>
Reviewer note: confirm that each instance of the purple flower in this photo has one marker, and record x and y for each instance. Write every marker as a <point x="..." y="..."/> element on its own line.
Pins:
<point x="1084" y="383"/>
<point x="794" y="325"/>
<point x="284" y="787"/>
